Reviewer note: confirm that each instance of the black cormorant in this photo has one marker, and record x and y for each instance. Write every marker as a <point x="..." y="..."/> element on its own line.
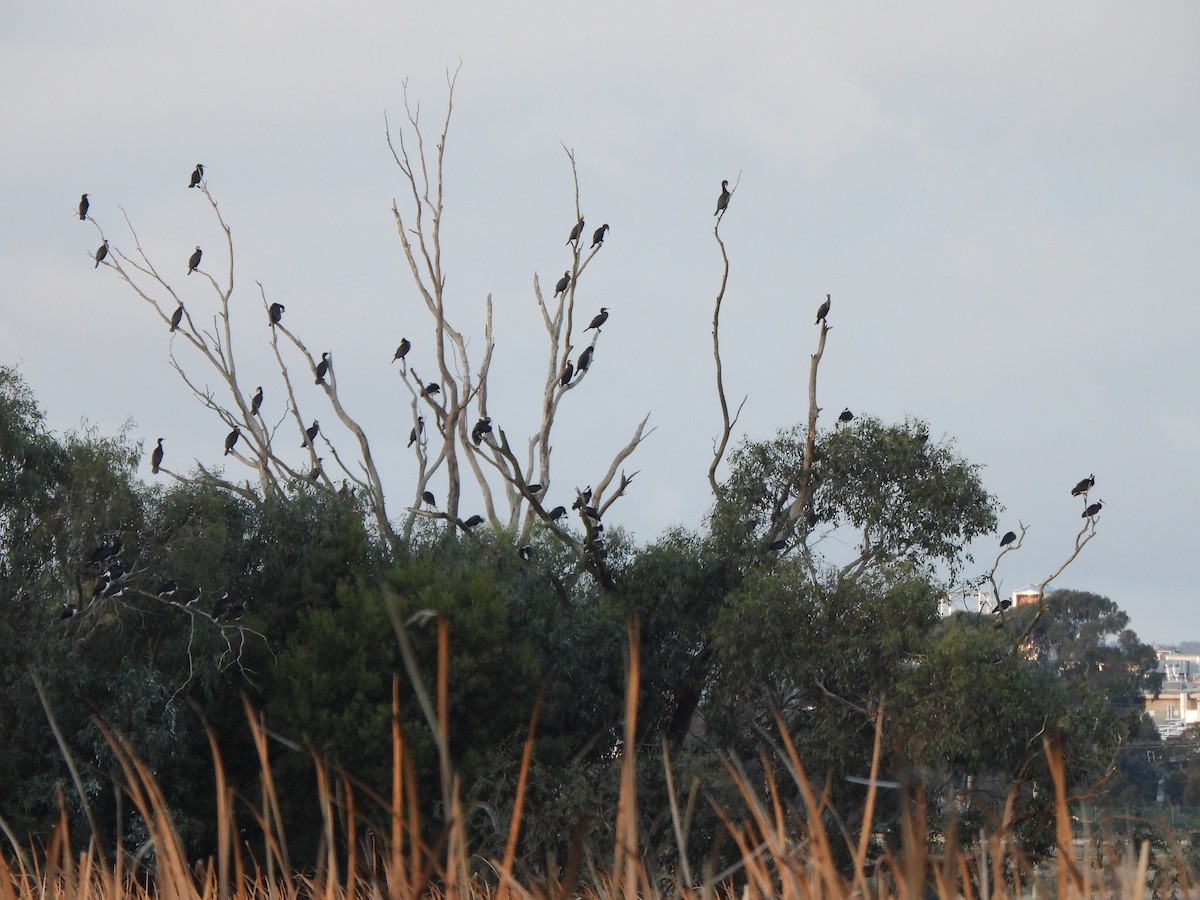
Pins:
<point x="197" y="175"/>
<point x="1008" y="538"/>
<point x="1093" y="510"/>
<point x="194" y="260"/>
<point x="310" y="434"/>
<point x="68" y="611"/>
<point x="845" y="415"/>
<point x="1084" y="486"/>
<point x="563" y="283"/>
<point x="534" y="488"/>
<point x="428" y="497"/>
<point x="417" y="431"/>
<point x="598" y="237"/>
<point x="315" y="474"/>
<point x="778" y="545"/>
<point x="473" y="521"/>
<point x="193" y="596"/>
<point x="430" y="389"/>
<point x="823" y="311"/>
<point x="168" y="588"/>
<point x="156" y="458"/>
<point x="177" y="317"/>
<point x="256" y="401"/>
<point x="322" y="368"/>
<point x="599" y="319"/>
<point x="231" y="439"/>
<point x="576" y="232"/>
<point x="101" y="252"/>
<point x="402" y="350"/>
<point x="1002" y="605"/>
<point x="723" y="200"/>
<point x="482" y="427"/>
<point x="584" y="498"/>
<point x="83" y="207"/>
<point x="275" y="313"/>
<point x="221" y="607"/>
<point x="585" y="360"/>
<point x="557" y="513"/>
<point x="568" y="374"/>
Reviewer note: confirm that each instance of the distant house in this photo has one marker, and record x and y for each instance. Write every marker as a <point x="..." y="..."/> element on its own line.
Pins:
<point x="1177" y="703"/>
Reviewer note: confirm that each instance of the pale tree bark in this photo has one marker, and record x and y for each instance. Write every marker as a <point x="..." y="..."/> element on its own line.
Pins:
<point x="727" y="422"/>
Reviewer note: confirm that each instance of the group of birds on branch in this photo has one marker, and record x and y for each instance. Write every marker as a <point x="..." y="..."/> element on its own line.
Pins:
<point x="102" y="251"/>
<point x="113" y="575"/>
<point x="1090" y="511"/>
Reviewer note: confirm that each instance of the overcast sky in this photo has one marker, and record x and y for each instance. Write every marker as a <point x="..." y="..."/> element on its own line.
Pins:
<point x="1002" y="199"/>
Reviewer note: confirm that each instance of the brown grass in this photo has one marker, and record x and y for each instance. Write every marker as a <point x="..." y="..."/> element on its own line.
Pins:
<point x="782" y="853"/>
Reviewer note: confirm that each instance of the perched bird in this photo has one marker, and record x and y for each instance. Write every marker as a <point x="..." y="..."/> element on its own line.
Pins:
<point x="112" y="590"/>
<point x="167" y="588"/>
<point x="69" y="610"/>
<point x="430" y="389"/>
<point x="417" y="431"/>
<point x="568" y="374"/>
<point x="1008" y="538"/>
<point x="315" y="474"/>
<point x="177" y="317"/>
<point x="592" y="513"/>
<point x="196" y="175"/>
<point x="563" y="282"/>
<point x="845" y="415"/>
<point x="221" y="607"/>
<point x="598" y="236"/>
<point x="576" y="232"/>
<point x="534" y="488"/>
<point x="1084" y="486"/>
<point x="101" y="252"/>
<point x="115" y="572"/>
<point x="526" y="553"/>
<point x="823" y="311"/>
<point x="585" y="360"/>
<point x="599" y="319"/>
<point x="428" y="497"/>
<point x="723" y="200"/>
<point x="83" y="207"/>
<point x="193" y="596"/>
<point x="106" y="551"/>
<point x="275" y="313"/>
<point x="345" y="491"/>
<point x="256" y="401"/>
<point x="322" y="368"/>
<point x="156" y="458"/>
<point x="778" y="545"/>
<point x="584" y="498"/>
<point x="310" y="434"/>
<point x="557" y="513"/>
<point x="238" y="611"/>
<point x="482" y="427"/>
<point x="1002" y="605"/>
<point x="231" y="439"/>
<point x="194" y="260"/>
<point x="402" y="350"/>
<point x="473" y="521"/>
<point x="1093" y="510"/>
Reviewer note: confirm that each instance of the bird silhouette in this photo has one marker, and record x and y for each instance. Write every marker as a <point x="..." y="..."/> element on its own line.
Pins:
<point x="177" y="317"/>
<point x="598" y="236"/>
<point x="563" y="283"/>
<point x="723" y="200"/>
<point x="256" y="401"/>
<point x="1085" y="485"/>
<point x="568" y="374"/>
<point x="83" y="207"/>
<point x="196" y="175"/>
<point x="1008" y="538"/>
<point x="310" y="434"/>
<point x="576" y="232"/>
<point x="585" y="360"/>
<point x="275" y="313"/>
<point x="156" y="458"/>
<point x="845" y="415"/>
<point x="402" y="350"/>
<point x="1093" y="510"/>
<point x="823" y="310"/>
<point x="231" y="439"/>
<point x="473" y="521"/>
<point x="417" y="431"/>
<point x="194" y="260"/>
<point x="322" y="368"/>
<point x="101" y="252"/>
<point x="599" y="319"/>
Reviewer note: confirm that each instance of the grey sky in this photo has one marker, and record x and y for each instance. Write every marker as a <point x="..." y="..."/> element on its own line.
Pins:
<point x="1002" y="200"/>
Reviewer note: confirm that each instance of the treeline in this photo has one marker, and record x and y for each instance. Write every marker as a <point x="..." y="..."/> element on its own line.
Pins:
<point x="737" y="634"/>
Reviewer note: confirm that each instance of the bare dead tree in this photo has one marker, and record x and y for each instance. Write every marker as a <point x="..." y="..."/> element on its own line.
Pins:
<point x="442" y="408"/>
<point x="727" y="422"/>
